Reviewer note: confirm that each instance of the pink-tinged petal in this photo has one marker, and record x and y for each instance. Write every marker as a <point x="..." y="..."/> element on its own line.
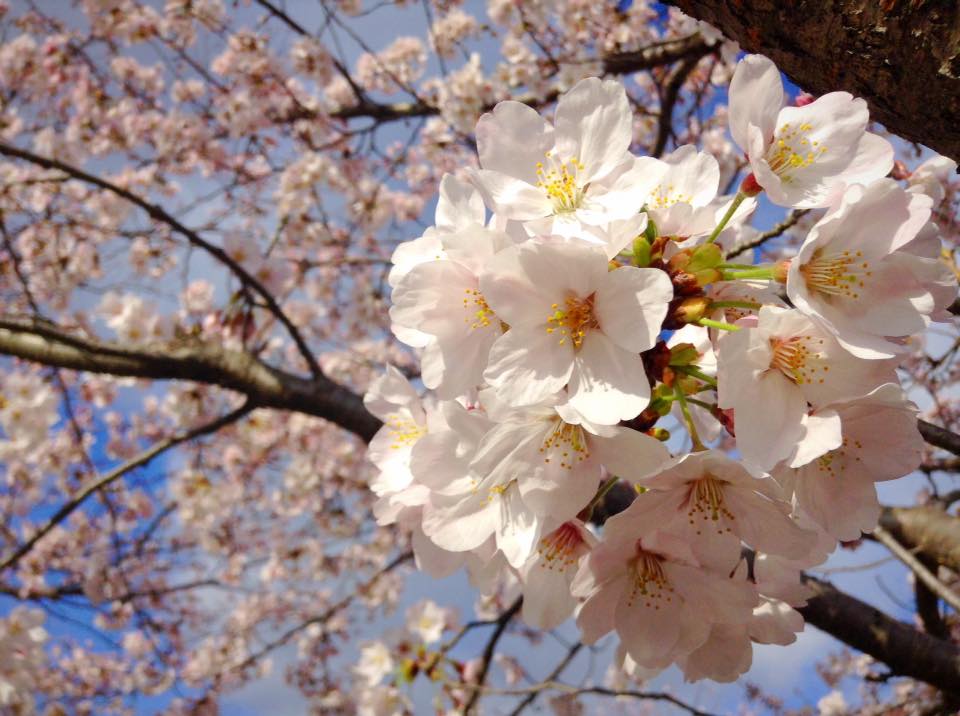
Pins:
<point x="631" y="305"/>
<point x="436" y="562"/>
<point x="431" y="298"/>
<point x="512" y="139"/>
<point x="844" y="507"/>
<point x="468" y="524"/>
<point x="519" y="527"/>
<point x="390" y="393"/>
<point x="765" y="524"/>
<point x="649" y="634"/>
<point x="630" y="454"/>
<point x="459" y="206"/>
<point x="724" y="657"/>
<point x="510" y="197"/>
<point x="547" y="601"/>
<point x="872" y="159"/>
<point x="768" y="416"/>
<point x="607" y="383"/>
<point x="756" y="96"/>
<point x="522" y="283"/>
<point x="821" y="434"/>
<point x="527" y="366"/>
<point x="775" y="622"/>
<point x="594" y="125"/>
<point x="618" y="196"/>
<point x="597" y="615"/>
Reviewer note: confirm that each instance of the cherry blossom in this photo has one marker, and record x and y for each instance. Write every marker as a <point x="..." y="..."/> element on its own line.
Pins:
<point x="799" y="155"/>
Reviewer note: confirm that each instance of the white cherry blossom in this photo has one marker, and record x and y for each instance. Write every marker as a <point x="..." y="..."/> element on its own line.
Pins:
<point x="868" y="270"/>
<point x="574" y="323"/>
<point x="799" y="155"/>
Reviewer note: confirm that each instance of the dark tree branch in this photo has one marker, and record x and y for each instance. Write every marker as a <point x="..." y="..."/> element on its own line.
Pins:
<point x="902" y="57"/>
<point x="488" y="652"/>
<point x="906" y="650"/>
<point x="193" y="360"/>
<point x="939" y="437"/>
<point x="102" y="481"/>
<point x="159" y="214"/>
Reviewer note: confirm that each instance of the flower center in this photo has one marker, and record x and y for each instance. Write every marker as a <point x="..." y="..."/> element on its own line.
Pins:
<point x="559" y="182"/>
<point x="569" y="441"/>
<point x="561" y="548"/>
<point x="663" y="197"/>
<point x="650" y="584"/>
<point x="573" y="320"/>
<point x="480" y="314"/>
<point x="833" y="463"/>
<point x="841" y="274"/>
<point x="797" y="359"/>
<point x="792" y="150"/>
<point x="706" y="500"/>
<point x="404" y="431"/>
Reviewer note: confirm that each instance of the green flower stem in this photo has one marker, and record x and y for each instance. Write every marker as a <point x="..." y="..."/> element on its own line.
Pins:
<point x="764" y="272"/>
<point x="695" y="372"/>
<point x="752" y="305"/>
<point x="710" y="323"/>
<point x="688" y="419"/>
<point x="737" y="201"/>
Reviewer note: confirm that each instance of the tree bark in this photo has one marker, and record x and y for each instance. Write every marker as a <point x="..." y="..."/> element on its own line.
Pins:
<point x="906" y="650"/>
<point x="902" y="56"/>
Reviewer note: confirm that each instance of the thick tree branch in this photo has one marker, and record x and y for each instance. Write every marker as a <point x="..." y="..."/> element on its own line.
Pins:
<point x="929" y="531"/>
<point x="193" y="360"/>
<point x="917" y="567"/>
<point x="158" y="213"/>
<point x="902" y="57"/>
<point x="906" y="650"/>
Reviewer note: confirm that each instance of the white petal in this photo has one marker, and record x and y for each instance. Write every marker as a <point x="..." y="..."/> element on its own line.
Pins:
<point x="594" y="124"/>
<point x="608" y="384"/>
<point x="631" y="306"/>
<point x="527" y="366"/>
<point x="756" y="96"/>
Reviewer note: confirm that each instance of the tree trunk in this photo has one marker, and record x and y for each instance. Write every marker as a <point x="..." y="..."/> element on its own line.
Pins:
<point x="902" y="56"/>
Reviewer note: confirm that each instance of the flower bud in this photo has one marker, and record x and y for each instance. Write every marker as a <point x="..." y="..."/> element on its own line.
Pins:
<point x="690" y="310"/>
<point x="661" y="434"/>
<point x="683" y="354"/>
<point x="641" y="251"/>
<point x="749" y="186"/>
<point x="780" y="271"/>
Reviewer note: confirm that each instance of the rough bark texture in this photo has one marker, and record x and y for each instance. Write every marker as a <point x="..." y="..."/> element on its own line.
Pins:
<point x="902" y="56"/>
<point x="906" y="650"/>
<point x="931" y="532"/>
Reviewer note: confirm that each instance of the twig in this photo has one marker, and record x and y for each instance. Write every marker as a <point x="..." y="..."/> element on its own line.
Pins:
<point x="554" y="675"/>
<point x="157" y="213"/>
<point x="917" y="567"/>
<point x="792" y="218"/>
<point x="99" y="483"/>
<point x="488" y="652"/>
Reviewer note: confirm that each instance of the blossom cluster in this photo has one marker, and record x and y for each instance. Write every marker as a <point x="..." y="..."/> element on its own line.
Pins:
<point x="572" y="295"/>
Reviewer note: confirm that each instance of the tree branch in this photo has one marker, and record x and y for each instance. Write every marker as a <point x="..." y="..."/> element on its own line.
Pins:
<point x="621" y="63"/>
<point x="488" y="653"/>
<point x="157" y="213"/>
<point x="103" y="481"/>
<point x="906" y="650"/>
<point x="939" y="437"/>
<point x="193" y="360"/>
<point x="921" y="572"/>
<point x="928" y="531"/>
